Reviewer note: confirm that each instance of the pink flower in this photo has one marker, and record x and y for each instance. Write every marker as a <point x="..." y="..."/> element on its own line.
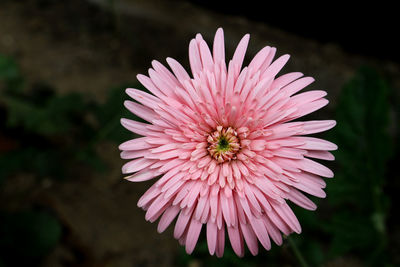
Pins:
<point x="224" y="147"/>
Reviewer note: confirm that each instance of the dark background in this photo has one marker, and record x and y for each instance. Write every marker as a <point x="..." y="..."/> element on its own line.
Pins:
<point x="63" y="69"/>
<point x="366" y="28"/>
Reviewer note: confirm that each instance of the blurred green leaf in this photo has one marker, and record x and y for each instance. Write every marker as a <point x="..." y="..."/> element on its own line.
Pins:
<point x="356" y="193"/>
<point x="47" y="162"/>
<point x="27" y="236"/>
<point x="9" y="74"/>
<point x="110" y="113"/>
<point x="55" y="116"/>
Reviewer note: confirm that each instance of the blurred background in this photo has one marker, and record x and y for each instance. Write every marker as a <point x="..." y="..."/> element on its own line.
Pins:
<point x="64" y="66"/>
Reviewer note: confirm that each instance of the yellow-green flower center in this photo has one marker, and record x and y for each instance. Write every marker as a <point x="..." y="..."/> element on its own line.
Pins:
<point x="223" y="144"/>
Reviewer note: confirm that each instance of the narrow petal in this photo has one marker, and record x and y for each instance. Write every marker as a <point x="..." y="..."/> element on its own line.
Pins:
<point x="212" y="237"/>
<point x="141" y="111"/>
<point x="320" y="154"/>
<point x="178" y="70"/>
<point x="193" y="235"/>
<point x="236" y="240"/>
<point x="240" y="51"/>
<point x="286" y="79"/>
<point x="181" y="224"/>
<point x="311" y="127"/>
<point x="301" y="200"/>
<point x="315" y="167"/>
<point x="259" y="59"/>
<point x="167" y="217"/>
<point x="194" y="57"/>
<point x="134" y="126"/>
<point x="206" y="57"/>
<point x="136" y="165"/>
<point x="297" y="85"/>
<point x="219" y="46"/>
<point x="143" y="175"/>
<point x="250" y="238"/>
<point x="260" y="231"/>
<point x="220" y="242"/>
<point x="275" y="67"/>
<point x="135" y="144"/>
<point x="144" y="98"/>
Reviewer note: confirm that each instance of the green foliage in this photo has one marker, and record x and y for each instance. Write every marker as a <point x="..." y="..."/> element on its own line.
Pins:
<point x="52" y="131"/>
<point x="49" y="135"/>
<point x="9" y="74"/>
<point x="53" y="117"/>
<point x="109" y="114"/>
<point x="44" y="163"/>
<point x="352" y="220"/>
<point x="27" y="236"/>
<point x="356" y="194"/>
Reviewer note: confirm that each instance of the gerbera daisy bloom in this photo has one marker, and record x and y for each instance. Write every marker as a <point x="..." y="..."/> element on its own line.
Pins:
<point x="224" y="148"/>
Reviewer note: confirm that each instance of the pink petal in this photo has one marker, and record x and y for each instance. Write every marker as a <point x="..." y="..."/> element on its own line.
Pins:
<point x="220" y="242"/>
<point x="275" y="67"/>
<point x="250" y="238"/>
<point x="312" y="143"/>
<point x="148" y="83"/>
<point x="299" y="199"/>
<point x="148" y="196"/>
<point x="194" y="57"/>
<point x="297" y="85"/>
<point x="143" y="175"/>
<point x="236" y="239"/>
<point x="166" y="75"/>
<point x="144" y="98"/>
<point x="136" y="165"/>
<point x="193" y="235"/>
<point x="268" y="60"/>
<point x="273" y="231"/>
<point x="167" y="217"/>
<point x="225" y="209"/>
<point x="285" y="79"/>
<point x="212" y="237"/>
<point x="134" y="126"/>
<point x="315" y="167"/>
<point x="178" y="70"/>
<point x="219" y="46"/>
<point x="307" y="108"/>
<point x="156" y="208"/>
<point x="308" y="96"/>
<point x="141" y="111"/>
<point x="240" y="51"/>
<point x="260" y="231"/>
<point x="135" y="144"/>
<point x="311" y="127"/>
<point x="206" y="57"/>
<point x="259" y="59"/>
<point x="279" y="222"/>
<point x="288" y="216"/>
<point x="133" y="154"/>
<point x="181" y="224"/>
<point x="320" y="154"/>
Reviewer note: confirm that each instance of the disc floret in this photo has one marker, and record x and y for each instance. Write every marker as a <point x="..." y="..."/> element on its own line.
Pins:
<point x="224" y="144"/>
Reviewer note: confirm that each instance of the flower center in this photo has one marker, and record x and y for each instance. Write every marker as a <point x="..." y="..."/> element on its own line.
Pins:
<point x="223" y="144"/>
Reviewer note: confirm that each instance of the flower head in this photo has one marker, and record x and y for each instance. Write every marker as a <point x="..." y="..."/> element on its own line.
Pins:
<point x="224" y="148"/>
